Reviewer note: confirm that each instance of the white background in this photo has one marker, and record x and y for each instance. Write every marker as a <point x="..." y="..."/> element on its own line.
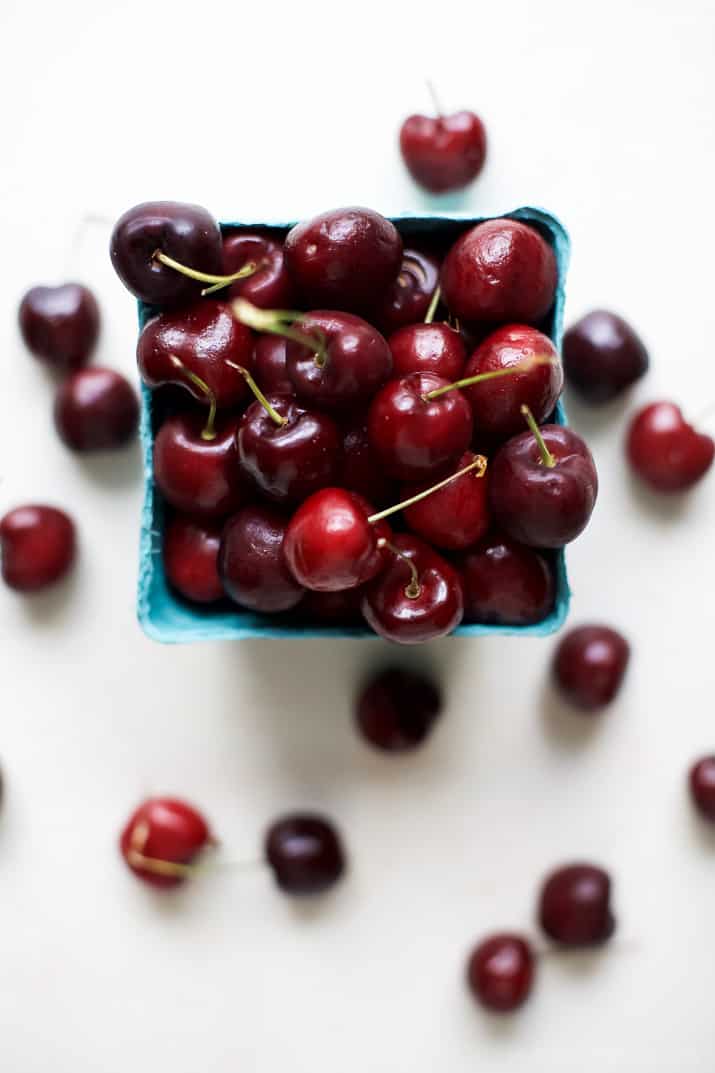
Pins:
<point x="604" y="116"/>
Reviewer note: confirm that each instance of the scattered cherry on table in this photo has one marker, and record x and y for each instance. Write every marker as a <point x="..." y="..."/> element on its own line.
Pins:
<point x="701" y="780"/>
<point x="60" y="325"/>
<point x="575" y="906"/>
<point x="443" y="152"/>
<point x="162" y="841"/>
<point x="396" y="709"/>
<point x="305" y="854"/>
<point x="589" y="665"/>
<point x="37" y="547"/>
<point x="603" y="356"/>
<point x="665" y="451"/>
<point x="500" y="972"/>
<point x="96" y="409"/>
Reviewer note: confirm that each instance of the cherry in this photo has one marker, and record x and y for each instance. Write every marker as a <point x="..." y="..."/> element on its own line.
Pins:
<point x="344" y="259"/>
<point x="574" y="907"/>
<point x="162" y="839"/>
<point x="268" y="365"/>
<point x="496" y="404"/>
<point x="702" y="786"/>
<point x="60" y="325"/>
<point x="409" y="297"/>
<point x="500" y="270"/>
<point x="505" y="583"/>
<point x="417" y="598"/>
<point x="443" y="152"/>
<point x="37" y="547"/>
<point x="305" y="853"/>
<point x="589" y="666"/>
<point x="96" y="409"/>
<point x="396" y="709"/>
<point x="360" y="470"/>
<point x="603" y="356"/>
<point x="500" y="972"/>
<point x="455" y="516"/>
<point x="251" y="562"/>
<point x="190" y="557"/>
<point x="196" y="475"/>
<point x="665" y="451"/>
<point x="543" y="486"/>
<point x="203" y="343"/>
<point x="341" y="607"/>
<point x="413" y="435"/>
<point x="354" y="361"/>
<point x="270" y="284"/>
<point x="428" y="348"/>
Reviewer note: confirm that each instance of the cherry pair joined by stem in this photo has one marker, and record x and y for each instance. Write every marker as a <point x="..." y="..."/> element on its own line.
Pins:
<point x="37" y="547"/>
<point x="443" y="152"/>
<point x="60" y="325"/>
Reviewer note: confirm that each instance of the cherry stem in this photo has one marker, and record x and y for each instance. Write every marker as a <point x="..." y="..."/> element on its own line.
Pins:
<point x="204" y="277"/>
<point x="248" y="269"/>
<point x="413" y="590"/>
<point x="434" y="302"/>
<point x="479" y="463"/>
<point x="280" y="322"/>
<point x="270" y="410"/>
<point x="494" y="374"/>
<point x="435" y="99"/>
<point x="174" y="869"/>
<point x="546" y="456"/>
<point x="209" y="431"/>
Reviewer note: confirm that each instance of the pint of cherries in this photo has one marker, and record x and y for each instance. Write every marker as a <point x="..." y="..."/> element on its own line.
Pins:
<point x="351" y="430"/>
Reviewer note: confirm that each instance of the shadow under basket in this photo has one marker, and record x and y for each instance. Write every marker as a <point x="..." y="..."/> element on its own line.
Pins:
<point x="165" y="616"/>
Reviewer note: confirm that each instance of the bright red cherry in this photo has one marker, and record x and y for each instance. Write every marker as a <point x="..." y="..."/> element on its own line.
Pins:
<point x="305" y="853"/>
<point x="396" y="709"/>
<point x="453" y="517"/>
<point x="354" y="360"/>
<point x="505" y="583"/>
<point x="196" y="475"/>
<point x="190" y="557"/>
<point x="96" y="409"/>
<point x="702" y="787"/>
<point x="37" y="547"/>
<point x="60" y="325"/>
<point x="603" y="356"/>
<point x="162" y="840"/>
<point x="500" y="270"/>
<point x="665" y="451"/>
<point x="500" y="972"/>
<point x="444" y="152"/>
<point x="360" y="470"/>
<point x="574" y="907"/>
<point x="409" y="297"/>
<point x="268" y="365"/>
<point x="270" y="285"/>
<point x="428" y="348"/>
<point x="589" y="666"/>
<point x="251" y="561"/>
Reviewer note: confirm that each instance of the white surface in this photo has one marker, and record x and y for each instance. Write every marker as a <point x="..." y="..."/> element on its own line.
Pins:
<point x="607" y="119"/>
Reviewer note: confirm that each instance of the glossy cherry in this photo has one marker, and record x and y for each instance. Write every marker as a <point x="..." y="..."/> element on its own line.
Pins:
<point x="500" y="972"/>
<point x="589" y="666"/>
<point x="354" y="362"/>
<point x="196" y="475"/>
<point x="305" y="853"/>
<point x="665" y="451"/>
<point x="96" y="409"/>
<point x="396" y="709"/>
<point x="190" y="557"/>
<point x="500" y="270"/>
<point x="344" y="259"/>
<point x="574" y="906"/>
<point x="505" y="583"/>
<point x="603" y="356"/>
<point x="409" y="297"/>
<point x="37" y="547"/>
<point x="251" y="562"/>
<point x="268" y="365"/>
<point x="360" y="469"/>
<point x="60" y="325"/>
<point x="162" y="840"/>
<point x="453" y="517"/>
<point x="701" y="781"/>
<point x="270" y="285"/>
<point x="428" y="348"/>
<point x="443" y="152"/>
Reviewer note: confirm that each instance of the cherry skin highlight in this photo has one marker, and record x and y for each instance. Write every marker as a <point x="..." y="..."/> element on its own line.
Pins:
<point x="396" y="710"/>
<point x="505" y="583"/>
<point x="95" y="410"/>
<point x="270" y="286"/>
<point x="603" y="356"/>
<point x="198" y="476"/>
<point x="251" y="562"/>
<point x="305" y="853"/>
<point x="574" y="906"/>
<point x="190" y="557"/>
<point x="665" y="451"/>
<point x="428" y="348"/>
<point x="409" y="297"/>
<point x="268" y="365"/>
<point x="37" y="547"/>
<point x="500" y="972"/>
<point x="701" y="781"/>
<point x="453" y="517"/>
<point x="163" y="831"/>
<point x="589" y="666"/>
<point x="357" y="360"/>
<point x="60" y="325"/>
<point x="444" y="152"/>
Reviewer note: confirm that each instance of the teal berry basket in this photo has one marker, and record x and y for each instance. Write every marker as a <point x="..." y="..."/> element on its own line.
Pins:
<point x="165" y="616"/>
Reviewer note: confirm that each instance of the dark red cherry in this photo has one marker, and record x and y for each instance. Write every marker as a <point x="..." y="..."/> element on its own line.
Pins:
<point x="37" y="547"/>
<point x="500" y="972"/>
<point x="428" y="348"/>
<point x="288" y="461"/>
<point x="186" y="233"/>
<point x="415" y="436"/>
<point x="505" y="583"/>
<point x="702" y="786"/>
<point x="496" y="404"/>
<point x="396" y="709"/>
<point x="355" y="361"/>
<point x="589" y="666"/>
<point x="96" y="409"/>
<point x="204" y="338"/>
<point x="444" y="152"/>
<point x="360" y="470"/>
<point x="195" y="475"/>
<point x="417" y="597"/>
<point x="270" y="286"/>
<point x="268" y="365"/>
<point x="603" y="356"/>
<point x="539" y="503"/>
<point x="574" y="907"/>
<point x="500" y="270"/>
<point x="665" y="451"/>
<point x="251" y="562"/>
<point x="162" y="840"/>
<point x="190" y="557"/>
<point x="409" y="297"/>
<point x="453" y="517"/>
<point x="344" y="259"/>
<point x="333" y="608"/>
<point x="305" y="853"/>
<point x="60" y="325"/>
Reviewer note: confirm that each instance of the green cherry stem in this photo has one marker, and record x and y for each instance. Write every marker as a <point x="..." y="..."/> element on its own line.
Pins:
<point x="204" y="277"/>
<point x="546" y="456"/>
<point x="280" y="322"/>
<point x="479" y="463"/>
<point x="248" y="269"/>
<point x="209" y="431"/>
<point x="158" y="866"/>
<point x="270" y="410"/>
<point x="434" y="302"/>
<point x="413" y="590"/>
<point x="494" y="374"/>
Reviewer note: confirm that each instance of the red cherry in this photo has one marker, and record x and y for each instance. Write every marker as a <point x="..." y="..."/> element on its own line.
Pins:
<point x="500" y="972"/>
<point x="37" y="547"/>
<point x="702" y="786"/>
<point x="352" y="363"/>
<point x="360" y="470"/>
<point x="60" y="325"/>
<point x="196" y="475"/>
<point x="162" y="839"/>
<point x="339" y="608"/>
<point x="455" y="516"/>
<point x="603" y="356"/>
<point x="270" y="285"/>
<point x="268" y="365"/>
<point x="500" y="270"/>
<point x="574" y="907"/>
<point x="428" y="348"/>
<point x="190" y="557"/>
<point x="665" y="451"/>
<point x="589" y="666"/>
<point x="96" y="409"/>
<point x="305" y="853"/>
<point x="445" y="152"/>
<point x="251" y="561"/>
<point x="409" y="297"/>
<point x="505" y="583"/>
<point x="396" y="710"/>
